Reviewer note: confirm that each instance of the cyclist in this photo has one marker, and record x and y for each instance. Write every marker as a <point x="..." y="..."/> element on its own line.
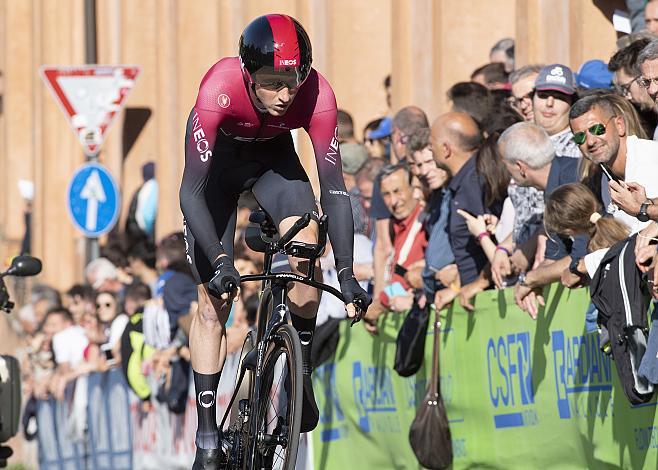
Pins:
<point x="238" y="138"/>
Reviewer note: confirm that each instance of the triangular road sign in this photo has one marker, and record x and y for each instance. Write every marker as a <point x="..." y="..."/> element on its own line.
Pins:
<point x="90" y="96"/>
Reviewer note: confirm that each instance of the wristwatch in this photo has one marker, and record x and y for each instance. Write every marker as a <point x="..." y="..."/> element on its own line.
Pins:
<point x="573" y="267"/>
<point x="521" y="279"/>
<point x="642" y="215"/>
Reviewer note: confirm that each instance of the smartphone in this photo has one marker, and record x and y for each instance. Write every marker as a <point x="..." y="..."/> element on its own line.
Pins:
<point x="399" y="270"/>
<point x="608" y="173"/>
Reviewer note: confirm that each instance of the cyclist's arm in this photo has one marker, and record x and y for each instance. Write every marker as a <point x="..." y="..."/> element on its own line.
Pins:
<point x="200" y="135"/>
<point x="333" y="196"/>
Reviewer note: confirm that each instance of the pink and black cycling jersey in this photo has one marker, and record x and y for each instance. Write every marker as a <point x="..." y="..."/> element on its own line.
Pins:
<point x="224" y="110"/>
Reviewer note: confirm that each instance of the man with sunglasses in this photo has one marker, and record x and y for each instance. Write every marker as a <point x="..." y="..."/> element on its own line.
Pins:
<point x="601" y="135"/>
<point x="238" y="138"/>
<point x="627" y="73"/>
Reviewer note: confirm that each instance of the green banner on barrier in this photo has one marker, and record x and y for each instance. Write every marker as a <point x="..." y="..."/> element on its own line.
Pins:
<point x="520" y="393"/>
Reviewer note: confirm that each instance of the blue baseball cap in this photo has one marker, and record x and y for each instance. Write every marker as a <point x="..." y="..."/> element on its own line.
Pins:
<point x="383" y="130"/>
<point x="594" y="74"/>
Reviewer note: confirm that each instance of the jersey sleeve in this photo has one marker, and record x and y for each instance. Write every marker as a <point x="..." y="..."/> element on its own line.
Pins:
<point x="334" y="198"/>
<point x="201" y="133"/>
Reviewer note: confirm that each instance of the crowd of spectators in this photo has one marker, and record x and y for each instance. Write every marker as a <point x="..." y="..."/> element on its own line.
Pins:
<point x="526" y="180"/>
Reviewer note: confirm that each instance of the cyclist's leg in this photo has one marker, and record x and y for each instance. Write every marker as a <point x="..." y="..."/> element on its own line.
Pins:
<point x="208" y="337"/>
<point x="207" y="334"/>
<point x="284" y="191"/>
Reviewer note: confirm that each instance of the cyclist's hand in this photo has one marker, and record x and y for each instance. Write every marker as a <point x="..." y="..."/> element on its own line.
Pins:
<point x="225" y="275"/>
<point x="352" y="292"/>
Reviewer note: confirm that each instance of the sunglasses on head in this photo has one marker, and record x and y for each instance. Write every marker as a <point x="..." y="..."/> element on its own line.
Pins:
<point x="596" y="130"/>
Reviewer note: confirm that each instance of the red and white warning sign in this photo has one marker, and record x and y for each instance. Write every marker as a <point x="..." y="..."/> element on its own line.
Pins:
<point x="90" y="96"/>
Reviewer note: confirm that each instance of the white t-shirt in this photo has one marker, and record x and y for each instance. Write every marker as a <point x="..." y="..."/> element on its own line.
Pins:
<point x="116" y="330"/>
<point x="69" y="345"/>
<point x="642" y="168"/>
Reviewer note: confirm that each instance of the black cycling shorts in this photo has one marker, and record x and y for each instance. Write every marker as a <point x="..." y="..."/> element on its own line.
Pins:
<point x="273" y="172"/>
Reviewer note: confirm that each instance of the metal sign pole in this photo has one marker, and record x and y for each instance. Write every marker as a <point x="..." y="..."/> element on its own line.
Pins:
<point x="92" y="247"/>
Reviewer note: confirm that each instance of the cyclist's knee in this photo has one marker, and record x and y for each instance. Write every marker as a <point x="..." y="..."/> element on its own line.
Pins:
<point x="211" y="312"/>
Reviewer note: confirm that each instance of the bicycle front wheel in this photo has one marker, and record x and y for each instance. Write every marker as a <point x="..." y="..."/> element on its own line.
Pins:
<point x="279" y="409"/>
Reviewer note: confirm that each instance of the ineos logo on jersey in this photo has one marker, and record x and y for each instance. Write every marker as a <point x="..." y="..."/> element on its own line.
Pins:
<point x="332" y="153"/>
<point x="202" y="145"/>
<point x="204" y="401"/>
<point x="288" y="62"/>
<point x="224" y="101"/>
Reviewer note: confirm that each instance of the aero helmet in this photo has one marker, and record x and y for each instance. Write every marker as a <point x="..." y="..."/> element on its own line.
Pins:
<point x="275" y="50"/>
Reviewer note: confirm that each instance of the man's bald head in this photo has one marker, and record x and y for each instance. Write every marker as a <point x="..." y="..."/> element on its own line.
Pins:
<point x="460" y="130"/>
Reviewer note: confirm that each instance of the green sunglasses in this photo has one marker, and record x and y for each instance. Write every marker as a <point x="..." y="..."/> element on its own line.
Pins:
<point x="597" y="129"/>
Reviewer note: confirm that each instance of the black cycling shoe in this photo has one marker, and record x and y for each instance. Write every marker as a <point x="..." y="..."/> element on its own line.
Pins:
<point x="310" y="412"/>
<point x="208" y="459"/>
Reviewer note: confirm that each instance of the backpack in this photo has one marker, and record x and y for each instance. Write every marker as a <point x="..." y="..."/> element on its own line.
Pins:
<point x="429" y="434"/>
<point x="622" y="298"/>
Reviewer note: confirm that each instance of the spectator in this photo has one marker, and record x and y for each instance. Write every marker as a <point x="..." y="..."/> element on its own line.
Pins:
<point x="471" y="98"/>
<point x="141" y="259"/>
<point x="378" y="147"/>
<point x="530" y="157"/>
<point x="409" y="239"/>
<point x="651" y="16"/>
<point x="68" y="345"/>
<point x="406" y="122"/>
<point x="112" y="321"/>
<point x="626" y="68"/>
<point x="439" y="259"/>
<point x="555" y="92"/>
<point x="604" y="139"/>
<point x="455" y="143"/>
<point x="523" y="88"/>
<point x="594" y="74"/>
<point x="572" y="209"/>
<point x="101" y="274"/>
<point x="361" y="196"/>
<point x="503" y="51"/>
<point x="345" y="128"/>
<point x="648" y="60"/>
<point x="493" y="76"/>
<point x="79" y="300"/>
<point x="352" y="156"/>
<point x="44" y="298"/>
<point x="175" y="285"/>
<point x="140" y="222"/>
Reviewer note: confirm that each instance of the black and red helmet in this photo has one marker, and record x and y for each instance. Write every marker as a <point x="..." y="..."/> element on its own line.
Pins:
<point x="275" y="49"/>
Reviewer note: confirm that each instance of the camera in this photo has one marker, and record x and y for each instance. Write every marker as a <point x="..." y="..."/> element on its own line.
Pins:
<point x="10" y="378"/>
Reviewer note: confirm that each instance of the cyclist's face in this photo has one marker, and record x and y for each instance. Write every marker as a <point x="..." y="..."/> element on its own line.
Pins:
<point x="276" y="97"/>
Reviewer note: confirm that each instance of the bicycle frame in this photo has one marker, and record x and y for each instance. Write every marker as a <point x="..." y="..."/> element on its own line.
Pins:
<point x="274" y="290"/>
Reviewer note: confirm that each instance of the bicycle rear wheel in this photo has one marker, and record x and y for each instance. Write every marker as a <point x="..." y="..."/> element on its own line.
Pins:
<point x="279" y="411"/>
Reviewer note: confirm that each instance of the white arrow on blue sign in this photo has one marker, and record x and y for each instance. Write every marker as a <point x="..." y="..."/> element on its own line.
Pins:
<point x="93" y="200"/>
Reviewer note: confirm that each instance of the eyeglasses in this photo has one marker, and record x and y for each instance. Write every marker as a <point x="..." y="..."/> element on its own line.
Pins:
<point x="645" y="82"/>
<point x="596" y="130"/>
<point x="516" y="102"/>
<point x="624" y="88"/>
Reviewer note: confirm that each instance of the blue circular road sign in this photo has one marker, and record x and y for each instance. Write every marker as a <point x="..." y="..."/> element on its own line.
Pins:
<point x="93" y="200"/>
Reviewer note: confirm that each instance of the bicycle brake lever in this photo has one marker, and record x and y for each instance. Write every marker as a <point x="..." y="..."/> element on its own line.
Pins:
<point x="358" y="305"/>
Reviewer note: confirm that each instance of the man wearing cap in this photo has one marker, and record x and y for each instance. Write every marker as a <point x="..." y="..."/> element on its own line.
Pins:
<point x="594" y="74"/>
<point x="380" y="135"/>
<point x="555" y="92"/>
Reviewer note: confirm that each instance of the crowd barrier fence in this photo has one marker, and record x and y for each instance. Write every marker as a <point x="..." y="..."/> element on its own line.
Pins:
<point x="519" y="393"/>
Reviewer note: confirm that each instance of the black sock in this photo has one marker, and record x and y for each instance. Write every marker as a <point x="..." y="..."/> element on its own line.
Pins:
<point x="305" y="328"/>
<point x="207" y="435"/>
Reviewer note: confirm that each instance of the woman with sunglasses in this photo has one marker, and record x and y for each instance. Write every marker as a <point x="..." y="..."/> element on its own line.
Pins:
<point x="112" y="321"/>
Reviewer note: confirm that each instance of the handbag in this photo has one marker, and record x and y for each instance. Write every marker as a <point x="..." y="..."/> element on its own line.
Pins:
<point x="429" y="435"/>
<point x="410" y="343"/>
